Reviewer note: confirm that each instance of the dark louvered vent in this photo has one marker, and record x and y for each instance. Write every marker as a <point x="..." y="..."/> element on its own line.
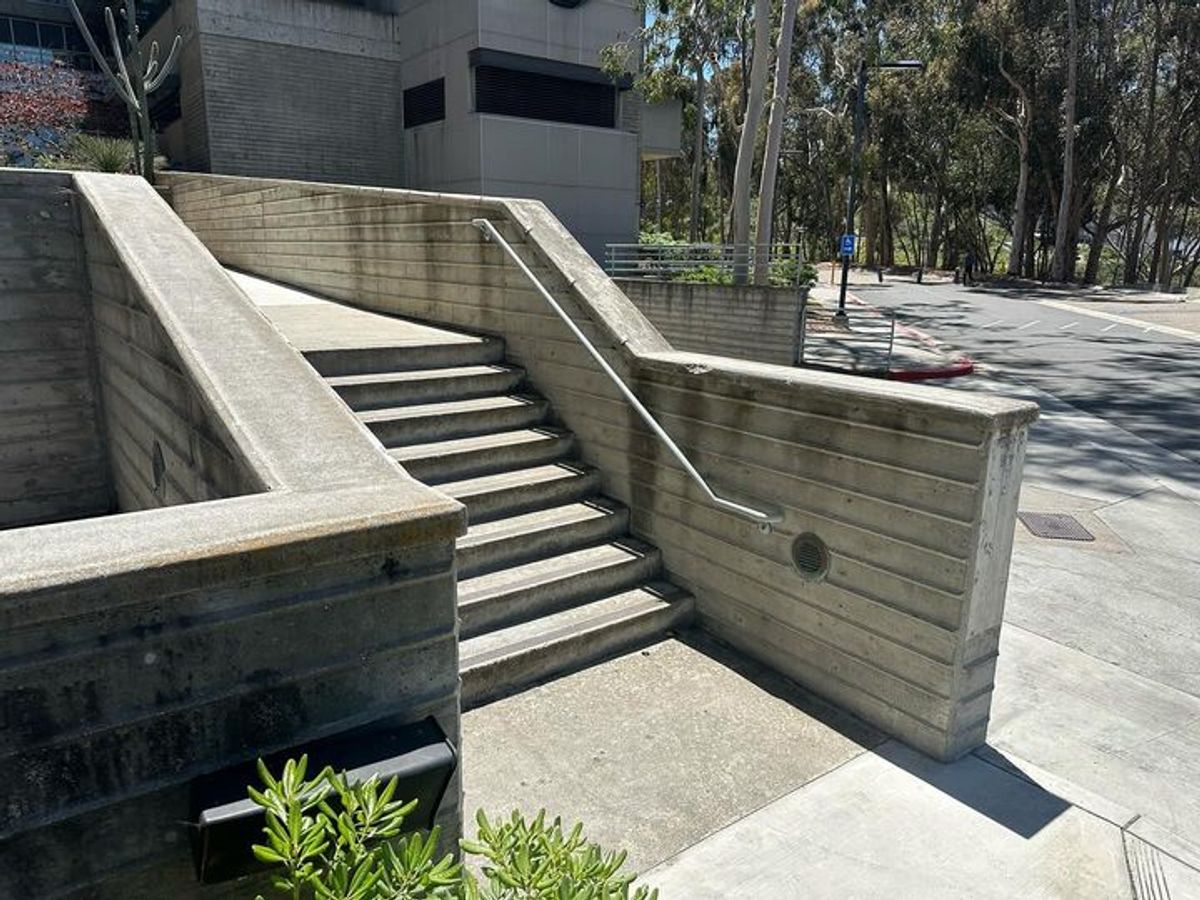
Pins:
<point x="533" y="95"/>
<point x="425" y="103"/>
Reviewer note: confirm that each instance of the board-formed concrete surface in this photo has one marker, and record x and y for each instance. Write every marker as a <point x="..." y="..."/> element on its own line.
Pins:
<point x="744" y="321"/>
<point x="54" y="463"/>
<point x="313" y="594"/>
<point x="913" y="490"/>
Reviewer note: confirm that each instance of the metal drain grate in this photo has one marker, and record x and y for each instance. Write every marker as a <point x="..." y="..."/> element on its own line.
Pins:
<point x="1056" y="526"/>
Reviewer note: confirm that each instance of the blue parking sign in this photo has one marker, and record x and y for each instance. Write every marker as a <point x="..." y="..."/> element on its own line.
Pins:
<point x="848" y="244"/>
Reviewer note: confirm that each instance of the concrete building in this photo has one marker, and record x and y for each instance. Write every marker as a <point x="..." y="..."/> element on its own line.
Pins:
<point x="497" y="97"/>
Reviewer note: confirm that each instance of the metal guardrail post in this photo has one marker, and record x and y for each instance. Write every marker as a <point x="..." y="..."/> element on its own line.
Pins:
<point x="765" y="520"/>
<point x="891" y="342"/>
<point x="798" y="344"/>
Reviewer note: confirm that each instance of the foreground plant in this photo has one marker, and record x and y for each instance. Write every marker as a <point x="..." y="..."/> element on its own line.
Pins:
<point x="333" y="839"/>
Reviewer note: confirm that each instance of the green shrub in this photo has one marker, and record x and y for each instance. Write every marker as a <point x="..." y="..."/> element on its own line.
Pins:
<point x="100" y="154"/>
<point x="331" y="839"/>
<point x="705" y="274"/>
<point x="786" y="273"/>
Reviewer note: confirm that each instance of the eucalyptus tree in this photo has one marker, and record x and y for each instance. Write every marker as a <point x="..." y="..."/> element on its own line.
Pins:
<point x="776" y="117"/>
<point x="740" y="201"/>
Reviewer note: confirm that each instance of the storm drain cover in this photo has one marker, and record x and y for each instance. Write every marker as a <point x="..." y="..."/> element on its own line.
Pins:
<point x="1057" y="526"/>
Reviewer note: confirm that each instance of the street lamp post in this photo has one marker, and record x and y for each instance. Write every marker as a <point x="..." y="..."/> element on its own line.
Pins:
<point x="860" y="108"/>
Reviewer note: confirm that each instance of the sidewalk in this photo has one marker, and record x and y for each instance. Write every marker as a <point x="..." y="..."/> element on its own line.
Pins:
<point x="867" y="345"/>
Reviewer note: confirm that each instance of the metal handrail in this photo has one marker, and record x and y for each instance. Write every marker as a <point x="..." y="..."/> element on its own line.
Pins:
<point x="764" y="519"/>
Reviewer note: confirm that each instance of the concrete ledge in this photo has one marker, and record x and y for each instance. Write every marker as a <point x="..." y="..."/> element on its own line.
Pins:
<point x="311" y="591"/>
<point x="912" y="489"/>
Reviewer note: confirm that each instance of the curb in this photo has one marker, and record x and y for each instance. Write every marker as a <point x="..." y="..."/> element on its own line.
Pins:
<point x="959" y="366"/>
<point x="965" y="366"/>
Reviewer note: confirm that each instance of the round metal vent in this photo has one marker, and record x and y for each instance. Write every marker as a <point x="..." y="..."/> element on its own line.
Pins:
<point x="810" y="556"/>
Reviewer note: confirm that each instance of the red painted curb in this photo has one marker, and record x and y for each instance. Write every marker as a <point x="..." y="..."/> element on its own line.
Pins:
<point x="961" y="367"/>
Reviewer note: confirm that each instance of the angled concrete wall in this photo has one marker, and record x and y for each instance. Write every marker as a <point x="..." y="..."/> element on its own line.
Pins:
<point x="913" y="489"/>
<point x="53" y="461"/>
<point x="165" y="444"/>
<point x="140" y="650"/>
<point x="742" y="321"/>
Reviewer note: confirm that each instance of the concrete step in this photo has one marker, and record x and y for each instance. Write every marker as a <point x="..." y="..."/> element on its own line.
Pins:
<point x="427" y="422"/>
<point x="523" y="490"/>
<point x="481" y="453"/>
<point x="519" y="539"/>
<point x="552" y="583"/>
<point x="382" y="389"/>
<point x="469" y="351"/>
<point x="502" y="662"/>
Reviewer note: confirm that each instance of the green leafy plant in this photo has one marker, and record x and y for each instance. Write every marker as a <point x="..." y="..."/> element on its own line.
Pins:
<point x="706" y="274"/>
<point x="330" y="838"/>
<point x="538" y="860"/>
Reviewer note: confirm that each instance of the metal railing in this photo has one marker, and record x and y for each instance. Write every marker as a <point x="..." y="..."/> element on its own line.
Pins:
<point x="764" y="519"/>
<point x="677" y="261"/>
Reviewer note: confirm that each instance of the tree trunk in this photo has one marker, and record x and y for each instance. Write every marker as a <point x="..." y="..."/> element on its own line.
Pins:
<point x="1064" y="241"/>
<point x="697" y="156"/>
<point x="1133" y="248"/>
<point x="740" y="200"/>
<point x="1095" y="252"/>
<point x="770" y="166"/>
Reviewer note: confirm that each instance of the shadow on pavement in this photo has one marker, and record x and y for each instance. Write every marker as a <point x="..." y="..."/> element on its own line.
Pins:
<point x="986" y="783"/>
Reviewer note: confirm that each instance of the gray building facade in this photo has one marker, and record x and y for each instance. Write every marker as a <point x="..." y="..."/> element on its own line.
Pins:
<point x="499" y="97"/>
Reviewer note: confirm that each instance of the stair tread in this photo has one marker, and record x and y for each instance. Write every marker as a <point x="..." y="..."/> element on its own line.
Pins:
<point x="475" y="442"/>
<point x="448" y="408"/>
<point x="549" y="569"/>
<point x="648" y="599"/>
<point x="418" y="375"/>
<point x="539" y="520"/>
<point x="514" y="478"/>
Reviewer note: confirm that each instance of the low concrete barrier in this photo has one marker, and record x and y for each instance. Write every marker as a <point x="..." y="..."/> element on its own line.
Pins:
<point x="912" y="491"/>
<point x="315" y="593"/>
<point x="741" y="321"/>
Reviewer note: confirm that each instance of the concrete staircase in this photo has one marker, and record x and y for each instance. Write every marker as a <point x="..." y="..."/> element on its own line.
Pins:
<point x="549" y="577"/>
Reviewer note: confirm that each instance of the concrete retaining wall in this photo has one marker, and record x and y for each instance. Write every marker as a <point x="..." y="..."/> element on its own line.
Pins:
<point x="53" y="463"/>
<point x="742" y="321"/>
<point x="913" y="489"/>
<point x="138" y="651"/>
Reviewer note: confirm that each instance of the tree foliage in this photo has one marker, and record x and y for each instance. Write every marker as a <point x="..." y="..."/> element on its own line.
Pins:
<point x="970" y="153"/>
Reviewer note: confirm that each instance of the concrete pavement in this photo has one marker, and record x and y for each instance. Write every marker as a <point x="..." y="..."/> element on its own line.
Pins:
<point x="1090" y="784"/>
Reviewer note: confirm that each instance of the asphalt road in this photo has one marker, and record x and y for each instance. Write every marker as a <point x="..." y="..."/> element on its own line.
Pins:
<point x="1138" y="376"/>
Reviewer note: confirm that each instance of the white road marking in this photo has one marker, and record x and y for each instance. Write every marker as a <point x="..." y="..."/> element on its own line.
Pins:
<point x="990" y="324"/>
<point x="1068" y="325"/>
<point x="1111" y="327"/>
<point x="1123" y="320"/>
<point x="1028" y="325"/>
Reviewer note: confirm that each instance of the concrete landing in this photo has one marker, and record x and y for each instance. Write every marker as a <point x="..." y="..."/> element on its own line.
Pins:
<point x="312" y="323"/>
<point x="654" y="750"/>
